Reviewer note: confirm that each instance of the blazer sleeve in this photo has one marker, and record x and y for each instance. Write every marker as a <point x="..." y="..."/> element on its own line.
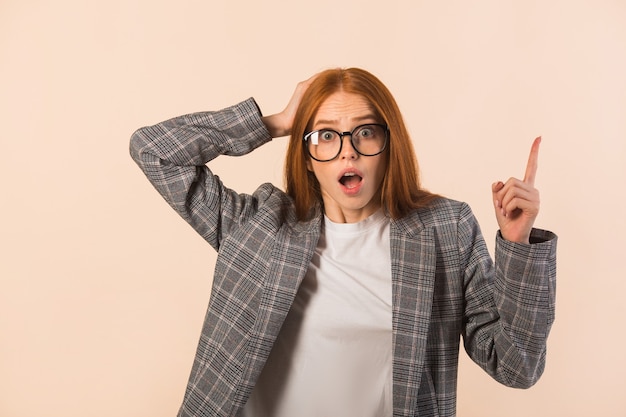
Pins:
<point x="509" y="306"/>
<point x="173" y="154"/>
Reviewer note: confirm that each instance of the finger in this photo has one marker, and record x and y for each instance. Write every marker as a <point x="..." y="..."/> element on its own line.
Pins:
<point x="296" y="97"/>
<point x="519" y="205"/>
<point x="533" y="158"/>
<point x="514" y="189"/>
<point x="513" y="185"/>
<point x="518" y="195"/>
<point x="304" y="85"/>
<point x="496" y="187"/>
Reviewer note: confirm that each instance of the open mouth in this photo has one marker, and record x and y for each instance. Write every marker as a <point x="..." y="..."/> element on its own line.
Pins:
<point x="350" y="180"/>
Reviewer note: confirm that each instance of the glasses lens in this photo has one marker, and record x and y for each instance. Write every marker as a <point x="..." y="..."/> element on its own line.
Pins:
<point x="324" y="144"/>
<point x="369" y="139"/>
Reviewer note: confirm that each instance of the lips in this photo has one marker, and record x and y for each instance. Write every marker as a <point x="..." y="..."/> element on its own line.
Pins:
<point x="351" y="180"/>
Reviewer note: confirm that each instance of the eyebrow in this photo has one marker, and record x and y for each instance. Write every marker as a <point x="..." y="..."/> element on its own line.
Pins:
<point x="334" y="122"/>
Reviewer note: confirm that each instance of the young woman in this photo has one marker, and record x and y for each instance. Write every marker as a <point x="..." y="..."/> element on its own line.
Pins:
<point x="347" y="294"/>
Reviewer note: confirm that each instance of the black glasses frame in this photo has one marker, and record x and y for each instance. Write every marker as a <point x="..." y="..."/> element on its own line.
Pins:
<point x="307" y="136"/>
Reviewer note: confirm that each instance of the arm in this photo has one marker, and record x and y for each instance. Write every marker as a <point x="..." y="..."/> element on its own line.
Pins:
<point x="509" y="308"/>
<point x="509" y="311"/>
<point x="173" y="154"/>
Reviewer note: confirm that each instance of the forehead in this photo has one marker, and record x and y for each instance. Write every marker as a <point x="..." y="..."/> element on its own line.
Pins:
<point x="344" y="107"/>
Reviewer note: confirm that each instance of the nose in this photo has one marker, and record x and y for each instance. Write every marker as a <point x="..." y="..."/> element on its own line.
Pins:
<point x="347" y="150"/>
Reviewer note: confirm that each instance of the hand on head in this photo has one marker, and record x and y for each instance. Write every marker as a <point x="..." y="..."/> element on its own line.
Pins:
<point x="280" y="124"/>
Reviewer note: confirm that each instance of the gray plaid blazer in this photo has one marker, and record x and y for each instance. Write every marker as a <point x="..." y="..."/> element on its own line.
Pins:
<point x="445" y="284"/>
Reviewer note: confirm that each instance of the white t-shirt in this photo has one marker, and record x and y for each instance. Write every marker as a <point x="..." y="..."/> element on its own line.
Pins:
<point x="333" y="356"/>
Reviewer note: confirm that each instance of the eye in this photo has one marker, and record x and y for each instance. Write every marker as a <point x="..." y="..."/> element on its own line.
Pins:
<point x="366" y="132"/>
<point x="327" y="135"/>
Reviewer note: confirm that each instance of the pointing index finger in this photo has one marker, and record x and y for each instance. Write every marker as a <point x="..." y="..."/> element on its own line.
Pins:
<point x="533" y="158"/>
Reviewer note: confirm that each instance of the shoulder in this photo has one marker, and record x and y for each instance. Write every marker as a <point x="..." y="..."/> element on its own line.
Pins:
<point x="276" y="209"/>
<point x="442" y="211"/>
<point x="445" y="216"/>
<point x="271" y="200"/>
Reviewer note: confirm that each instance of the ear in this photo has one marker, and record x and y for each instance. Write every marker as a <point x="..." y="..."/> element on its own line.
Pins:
<point x="309" y="165"/>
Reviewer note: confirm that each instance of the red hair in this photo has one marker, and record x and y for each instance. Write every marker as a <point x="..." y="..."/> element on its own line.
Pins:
<point x="401" y="191"/>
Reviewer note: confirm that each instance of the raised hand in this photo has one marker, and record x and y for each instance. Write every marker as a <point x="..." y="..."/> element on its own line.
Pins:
<point x="516" y="202"/>
<point x="279" y="124"/>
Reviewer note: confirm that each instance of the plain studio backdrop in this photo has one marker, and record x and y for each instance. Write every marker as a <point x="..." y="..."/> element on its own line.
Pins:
<point x="103" y="288"/>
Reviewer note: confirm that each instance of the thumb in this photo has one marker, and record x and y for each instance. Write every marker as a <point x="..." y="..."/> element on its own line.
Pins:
<point x="497" y="203"/>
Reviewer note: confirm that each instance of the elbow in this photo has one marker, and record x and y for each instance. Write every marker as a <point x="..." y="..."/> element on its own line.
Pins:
<point x="525" y="383"/>
<point x="525" y="375"/>
<point x="137" y="142"/>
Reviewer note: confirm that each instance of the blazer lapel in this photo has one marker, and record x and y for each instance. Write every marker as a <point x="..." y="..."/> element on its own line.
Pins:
<point x="291" y="255"/>
<point x="413" y="263"/>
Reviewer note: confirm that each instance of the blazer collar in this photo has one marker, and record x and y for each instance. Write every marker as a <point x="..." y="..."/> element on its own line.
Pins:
<point x="413" y="264"/>
<point x="292" y="251"/>
<point x="413" y="261"/>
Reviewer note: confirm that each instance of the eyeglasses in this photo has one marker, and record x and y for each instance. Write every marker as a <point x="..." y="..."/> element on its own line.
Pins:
<point x="368" y="140"/>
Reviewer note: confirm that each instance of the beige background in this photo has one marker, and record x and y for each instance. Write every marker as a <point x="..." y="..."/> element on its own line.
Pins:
<point x="103" y="288"/>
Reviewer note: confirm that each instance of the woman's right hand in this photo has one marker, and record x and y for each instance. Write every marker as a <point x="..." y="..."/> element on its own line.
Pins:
<point x="279" y="124"/>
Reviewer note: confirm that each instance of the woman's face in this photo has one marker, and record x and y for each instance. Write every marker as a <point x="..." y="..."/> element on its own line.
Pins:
<point x="350" y="183"/>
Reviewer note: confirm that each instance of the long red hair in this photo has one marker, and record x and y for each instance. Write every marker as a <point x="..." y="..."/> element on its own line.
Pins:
<point x="401" y="189"/>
